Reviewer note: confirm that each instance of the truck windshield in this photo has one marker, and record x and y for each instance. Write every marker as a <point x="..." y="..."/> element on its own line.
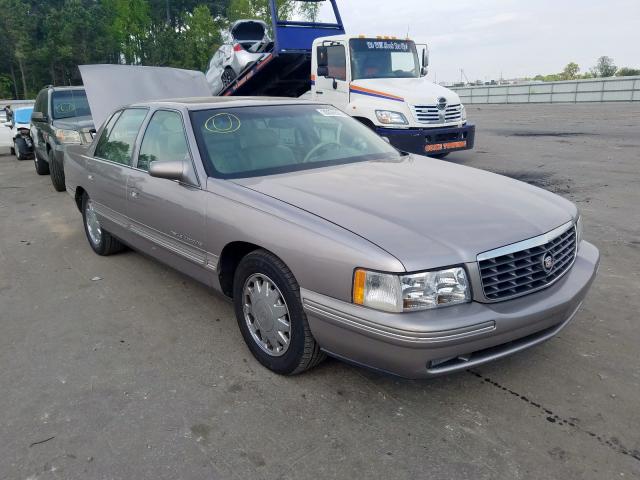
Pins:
<point x="377" y="58"/>
<point x="244" y="142"/>
<point x="69" y="103"/>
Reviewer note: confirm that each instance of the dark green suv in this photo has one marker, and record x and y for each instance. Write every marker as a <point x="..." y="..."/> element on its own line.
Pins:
<point x="61" y="116"/>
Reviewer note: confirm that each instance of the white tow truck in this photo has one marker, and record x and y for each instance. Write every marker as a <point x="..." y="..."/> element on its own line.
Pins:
<point x="379" y="80"/>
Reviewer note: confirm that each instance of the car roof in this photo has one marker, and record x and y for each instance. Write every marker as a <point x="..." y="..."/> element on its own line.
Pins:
<point x="203" y="103"/>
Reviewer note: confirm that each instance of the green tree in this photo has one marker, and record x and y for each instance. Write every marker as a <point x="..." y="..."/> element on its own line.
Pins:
<point x="201" y="38"/>
<point x="570" y="72"/>
<point x="130" y="28"/>
<point x="628" y="72"/>
<point x="604" y="68"/>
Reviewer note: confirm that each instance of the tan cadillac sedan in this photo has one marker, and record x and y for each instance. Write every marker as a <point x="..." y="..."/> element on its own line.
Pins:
<point x="330" y="241"/>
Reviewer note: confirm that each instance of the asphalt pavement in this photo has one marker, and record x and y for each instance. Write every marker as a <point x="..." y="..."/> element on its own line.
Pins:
<point x="121" y="368"/>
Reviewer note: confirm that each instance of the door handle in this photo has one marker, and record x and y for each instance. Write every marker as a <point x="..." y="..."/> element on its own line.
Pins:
<point x="90" y="177"/>
<point x="319" y="92"/>
<point x="133" y="193"/>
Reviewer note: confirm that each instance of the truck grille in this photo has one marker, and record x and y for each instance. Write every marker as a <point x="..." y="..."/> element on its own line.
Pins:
<point x="523" y="272"/>
<point x="431" y="114"/>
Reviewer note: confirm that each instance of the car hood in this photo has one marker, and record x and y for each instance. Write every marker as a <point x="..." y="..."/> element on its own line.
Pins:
<point x="425" y="212"/>
<point x="74" y="123"/>
<point x="415" y="91"/>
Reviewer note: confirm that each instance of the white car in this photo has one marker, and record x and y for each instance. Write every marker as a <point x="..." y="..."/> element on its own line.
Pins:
<point x="248" y="43"/>
<point x="22" y="144"/>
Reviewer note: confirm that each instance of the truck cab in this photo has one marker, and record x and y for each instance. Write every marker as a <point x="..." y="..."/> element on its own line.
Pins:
<point x="381" y="82"/>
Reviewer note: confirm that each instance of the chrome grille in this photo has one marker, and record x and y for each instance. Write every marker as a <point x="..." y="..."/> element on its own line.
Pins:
<point x="431" y="114"/>
<point x="522" y="272"/>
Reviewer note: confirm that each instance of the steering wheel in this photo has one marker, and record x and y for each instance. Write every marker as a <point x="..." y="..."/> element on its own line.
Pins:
<point x="318" y="148"/>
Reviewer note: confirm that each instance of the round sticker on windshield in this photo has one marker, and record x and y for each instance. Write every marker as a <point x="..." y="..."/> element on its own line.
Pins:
<point x="222" y="123"/>
<point x="65" y="107"/>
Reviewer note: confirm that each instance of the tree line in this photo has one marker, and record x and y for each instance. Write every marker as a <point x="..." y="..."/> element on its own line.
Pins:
<point x="604" y="67"/>
<point x="44" y="41"/>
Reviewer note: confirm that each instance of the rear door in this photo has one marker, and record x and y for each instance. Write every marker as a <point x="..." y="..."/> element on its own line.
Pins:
<point x="168" y="216"/>
<point x="111" y="166"/>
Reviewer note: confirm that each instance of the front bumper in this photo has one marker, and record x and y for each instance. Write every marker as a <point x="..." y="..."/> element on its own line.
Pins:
<point x="428" y="141"/>
<point x="434" y="342"/>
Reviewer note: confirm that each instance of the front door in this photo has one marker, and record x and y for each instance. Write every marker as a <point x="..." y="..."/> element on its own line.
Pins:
<point x="168" y="216"/>
<point x="109" y="172"/>
<point x="334" y="88"/>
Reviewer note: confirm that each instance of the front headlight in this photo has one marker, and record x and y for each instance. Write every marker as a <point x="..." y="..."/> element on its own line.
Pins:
<point x="68" y="136"/>
<point x="391" y="118"/>
<point x="463" y="114"/>
<point x="416" y="291"/>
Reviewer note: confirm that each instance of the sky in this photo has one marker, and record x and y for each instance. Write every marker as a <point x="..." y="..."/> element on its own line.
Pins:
<point x="512" y="38"/>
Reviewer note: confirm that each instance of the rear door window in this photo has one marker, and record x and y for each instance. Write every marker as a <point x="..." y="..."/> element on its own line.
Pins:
<point x="119" y="136"/>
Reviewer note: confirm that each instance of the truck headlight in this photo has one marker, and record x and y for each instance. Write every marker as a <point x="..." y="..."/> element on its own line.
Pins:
<point x="416" y="291"/>
<point x="68" y="136"/>
<point x="389" y="117"/>
<point x="463" y="114"/>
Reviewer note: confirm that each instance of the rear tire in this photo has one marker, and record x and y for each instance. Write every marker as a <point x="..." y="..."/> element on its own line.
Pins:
<point x="101" y="241"/>
<point x="13" y="149"/>
<point x="42" y="167"/>
<point x="57" y="173"/>
<point x="228" y="76"/>
<point x="21" y="149"/>
<point x="301" y="352"/>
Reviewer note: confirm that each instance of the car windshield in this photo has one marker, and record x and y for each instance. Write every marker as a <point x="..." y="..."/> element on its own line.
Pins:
<point x="263" y="140"/>
<point x="376" y="58"/>
<point x="23" y="115"/>
<point x="69" y="103"/>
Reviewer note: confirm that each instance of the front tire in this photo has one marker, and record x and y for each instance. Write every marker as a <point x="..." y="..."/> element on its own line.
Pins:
<point x="57" y="173"/>
<point x="101" y="241"/>
<point x="270" y="315"/>
<point x="42" y="167"/>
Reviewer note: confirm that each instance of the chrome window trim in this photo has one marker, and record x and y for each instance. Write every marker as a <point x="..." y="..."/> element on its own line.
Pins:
<point x="525" y="244"/>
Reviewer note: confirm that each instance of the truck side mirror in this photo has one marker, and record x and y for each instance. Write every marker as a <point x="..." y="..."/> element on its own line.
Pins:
<point x="424" y="60"/>
<point x="323" y="59"/>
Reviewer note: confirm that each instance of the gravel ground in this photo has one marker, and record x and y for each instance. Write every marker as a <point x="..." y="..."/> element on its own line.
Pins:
<point x="120" y="368"/>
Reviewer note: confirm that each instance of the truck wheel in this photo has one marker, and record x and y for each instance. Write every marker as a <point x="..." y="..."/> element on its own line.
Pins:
<point x="438" y="155"/>
<point x="269" y="311"/>
<point x="57" y="173"/>
<point x="101" y="241"/>
<point x="21" y="149"/>
<point x="13" y="148"/>
<point x="42" y="167"/>
<point x="228" y="76"/>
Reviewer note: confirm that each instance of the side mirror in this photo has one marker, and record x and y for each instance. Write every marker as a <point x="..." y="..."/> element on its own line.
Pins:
<point x="171" y="170"/>
<point x="323" y="59"/>
<point x="39" y="117"/>
<point x="424" y="60"/>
